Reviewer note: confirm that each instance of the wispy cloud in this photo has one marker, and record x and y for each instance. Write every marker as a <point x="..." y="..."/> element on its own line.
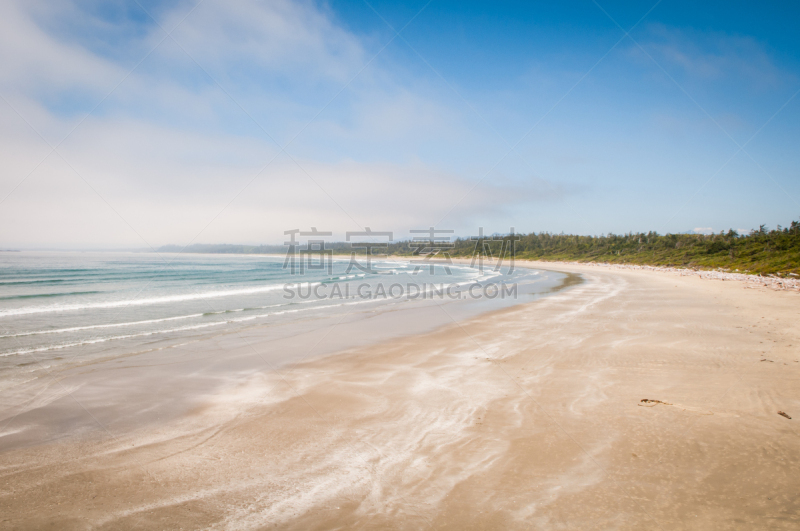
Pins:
<point x="714" y="56"/>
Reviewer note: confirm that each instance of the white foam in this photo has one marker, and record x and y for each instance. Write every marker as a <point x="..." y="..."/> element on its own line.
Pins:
<point x="143" y="302"/>
<point x="93" y="327"/>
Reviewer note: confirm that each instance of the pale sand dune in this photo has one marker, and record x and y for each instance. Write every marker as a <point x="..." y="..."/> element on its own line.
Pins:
<point x="528" y="418"/>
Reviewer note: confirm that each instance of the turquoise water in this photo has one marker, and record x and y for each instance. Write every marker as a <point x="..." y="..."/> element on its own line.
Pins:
<point x="54" y="305"/>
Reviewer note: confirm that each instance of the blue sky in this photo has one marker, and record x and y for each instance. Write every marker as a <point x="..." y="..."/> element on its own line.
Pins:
<point x="251" y="118"/>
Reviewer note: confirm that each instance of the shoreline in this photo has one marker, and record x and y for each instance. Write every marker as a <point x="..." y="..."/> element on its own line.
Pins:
<point x="527" y="416"/>
<point x="770" y="281"/>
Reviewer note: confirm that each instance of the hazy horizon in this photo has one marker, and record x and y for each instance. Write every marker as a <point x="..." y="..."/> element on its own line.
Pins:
<point x="335" y="238"/>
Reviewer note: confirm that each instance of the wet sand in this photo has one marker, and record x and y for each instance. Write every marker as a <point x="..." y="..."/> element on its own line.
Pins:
<point x="528" y="417"/>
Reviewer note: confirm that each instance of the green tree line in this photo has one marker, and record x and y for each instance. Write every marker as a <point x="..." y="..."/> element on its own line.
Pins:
<point x="761" y="251"/>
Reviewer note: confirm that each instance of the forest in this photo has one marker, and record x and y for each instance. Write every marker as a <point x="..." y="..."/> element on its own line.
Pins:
<point x="761" y="251"/>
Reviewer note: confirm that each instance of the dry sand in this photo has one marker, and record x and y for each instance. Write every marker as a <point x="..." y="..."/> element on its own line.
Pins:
<point x="527" y="418"/>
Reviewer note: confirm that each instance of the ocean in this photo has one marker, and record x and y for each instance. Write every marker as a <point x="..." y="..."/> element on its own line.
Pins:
<point x="51" y="301"/>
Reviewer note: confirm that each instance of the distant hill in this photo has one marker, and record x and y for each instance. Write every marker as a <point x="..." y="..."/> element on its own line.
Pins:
<point x="223" y="248"/>
<point x="227" y="248"/>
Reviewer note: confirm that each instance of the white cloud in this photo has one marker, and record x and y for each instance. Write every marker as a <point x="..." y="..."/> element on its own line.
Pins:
<point x="36" y="61"/>
<point x="279" y="35"/>
<point x="168" y="149"/>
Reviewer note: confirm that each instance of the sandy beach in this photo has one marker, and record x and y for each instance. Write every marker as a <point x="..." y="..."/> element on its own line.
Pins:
<point x="530" y="417"/>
